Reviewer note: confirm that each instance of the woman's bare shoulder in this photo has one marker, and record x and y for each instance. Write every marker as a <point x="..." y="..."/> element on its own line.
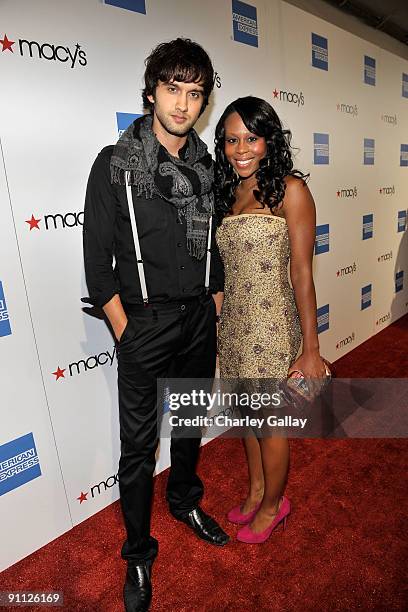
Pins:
<point x="295" y="185"/>
<point x="298" y="199"/>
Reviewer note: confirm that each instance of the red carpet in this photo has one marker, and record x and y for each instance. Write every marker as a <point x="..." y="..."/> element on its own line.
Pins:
<point x="344" y="547"/>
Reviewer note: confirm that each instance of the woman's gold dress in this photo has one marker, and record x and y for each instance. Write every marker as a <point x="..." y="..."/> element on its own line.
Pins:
<point x="259" y="332"/>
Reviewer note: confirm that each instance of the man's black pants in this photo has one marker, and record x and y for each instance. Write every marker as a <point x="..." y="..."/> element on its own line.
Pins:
<point x="173" y="340"/>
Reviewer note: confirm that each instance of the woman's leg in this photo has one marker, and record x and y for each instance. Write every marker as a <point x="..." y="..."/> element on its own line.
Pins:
<point x="255" y="473"/>
<point x="275" y="461"/>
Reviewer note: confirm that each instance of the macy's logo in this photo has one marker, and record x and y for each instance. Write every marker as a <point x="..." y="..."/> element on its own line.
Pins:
<point x="387" y="190"/>
<point x="347" y="270"/>
<point x="289" y="96"/>
<point x="391" y="119"/>
<point x="349" y="109"/>
<point x="385" y="257"/>
<point x="99" y="488"/>
<point x="347" y="193"/>
<point x="84" y="365"/>
<point x="383" y="319"/>
<point x="345" y="341"/>
<point x="69" y="219"/>
<point x="47" y="51"/>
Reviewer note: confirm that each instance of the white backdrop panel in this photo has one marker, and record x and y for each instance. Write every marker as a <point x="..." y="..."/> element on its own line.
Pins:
<point x="33" y="505"/>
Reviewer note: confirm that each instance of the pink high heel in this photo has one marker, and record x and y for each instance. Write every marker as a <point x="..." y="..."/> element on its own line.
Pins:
<point x="249" y="537"/>
<point x="235" y="515"/>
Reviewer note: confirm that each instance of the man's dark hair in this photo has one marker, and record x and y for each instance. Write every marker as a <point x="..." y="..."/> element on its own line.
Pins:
<point x="178" y="60"/>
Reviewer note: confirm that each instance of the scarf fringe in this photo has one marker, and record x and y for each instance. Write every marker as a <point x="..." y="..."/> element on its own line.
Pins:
<point x="196" y="247"/>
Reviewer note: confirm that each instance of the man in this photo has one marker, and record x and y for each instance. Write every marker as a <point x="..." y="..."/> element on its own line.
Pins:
<point x="155" y="299"/>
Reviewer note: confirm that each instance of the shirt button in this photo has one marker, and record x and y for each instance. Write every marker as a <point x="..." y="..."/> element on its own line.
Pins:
<point x="179" y="244"/>
<point x="181" y="267"/>
<point x="182" y="307"/>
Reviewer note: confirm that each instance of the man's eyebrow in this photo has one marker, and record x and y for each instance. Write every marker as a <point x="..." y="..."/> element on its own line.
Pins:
<point x="199" y="88"/>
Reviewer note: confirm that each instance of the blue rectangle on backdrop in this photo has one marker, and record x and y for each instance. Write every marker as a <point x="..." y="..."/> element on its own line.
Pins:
<point x="137" y="6"/>
<point x="366" y="297"/>
<point x="369" y="146"/>
<point x="19" y="463"/>
<point x="320" y="52"/>
<point x="322" y="318"/>
<point x="402" y="221"/>
<point x="404" y="85"/>
<point x="368" y="226"/>
<point x="5" y="328"/>
<point x="404" y="155"/>
<point x="124" y="120"/>
<point x="244" y="23"/>
<point x="369" y="70"/>
<point x="320" y="148"/>
<point x="322" y="239"/>
<point x="399" y="281"/>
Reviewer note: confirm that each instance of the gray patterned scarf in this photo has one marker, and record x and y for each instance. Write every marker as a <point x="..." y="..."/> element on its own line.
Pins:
<point x="185" y="183"/>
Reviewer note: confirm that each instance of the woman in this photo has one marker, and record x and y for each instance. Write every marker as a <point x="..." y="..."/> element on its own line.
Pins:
<point x="267" y="217"/>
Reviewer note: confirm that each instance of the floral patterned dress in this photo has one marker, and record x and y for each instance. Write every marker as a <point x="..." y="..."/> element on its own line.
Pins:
<point x="259" y="333"/>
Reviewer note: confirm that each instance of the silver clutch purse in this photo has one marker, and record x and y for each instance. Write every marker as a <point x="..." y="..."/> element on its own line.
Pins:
<point x="298" y="389"/>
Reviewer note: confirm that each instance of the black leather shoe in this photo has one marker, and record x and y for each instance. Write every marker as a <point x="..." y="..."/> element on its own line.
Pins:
<point x="137" y="592"/>
<point x="205" y="527"/>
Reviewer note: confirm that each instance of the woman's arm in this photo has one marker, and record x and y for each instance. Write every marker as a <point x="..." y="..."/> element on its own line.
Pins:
<point x="300" y="213"/>
<point x="218" y="299"/>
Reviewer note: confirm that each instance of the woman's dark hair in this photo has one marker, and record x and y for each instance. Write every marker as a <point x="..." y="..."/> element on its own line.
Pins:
<point x="260" y="118"/>
<point x="178" y="60"/>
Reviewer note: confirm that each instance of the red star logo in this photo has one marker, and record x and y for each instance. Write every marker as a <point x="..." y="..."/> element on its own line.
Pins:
<point x="338" y="194"/>
<point x="338" y="107"/>
<point x="380" y="190"/>
<point x="82" y="497"/>
<point x="33" y="223"/>
<point x="7" y="44"/>
<point x="338" y="273"/>
<point x="376" y="322"/>
<point x="275" y="93"/>
<point x="337" y="345"/>
<point x="59" y="373"/>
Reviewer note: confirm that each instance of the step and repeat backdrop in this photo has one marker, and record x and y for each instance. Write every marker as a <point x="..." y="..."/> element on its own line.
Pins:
<point x="71" y="80"/>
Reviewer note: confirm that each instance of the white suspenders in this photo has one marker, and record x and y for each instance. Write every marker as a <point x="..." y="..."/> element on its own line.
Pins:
<point x="140" y="266"/>
<point x="208" y="262"/>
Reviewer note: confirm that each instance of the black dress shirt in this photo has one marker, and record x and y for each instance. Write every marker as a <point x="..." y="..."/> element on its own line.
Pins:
<point x="172" y="274"/>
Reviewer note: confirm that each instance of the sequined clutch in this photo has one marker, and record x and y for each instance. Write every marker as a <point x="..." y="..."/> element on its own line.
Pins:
<point x="299" y="389"/>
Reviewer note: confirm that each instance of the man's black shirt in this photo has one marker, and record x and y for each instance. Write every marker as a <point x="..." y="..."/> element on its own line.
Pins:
<point x="171" y="273"/>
